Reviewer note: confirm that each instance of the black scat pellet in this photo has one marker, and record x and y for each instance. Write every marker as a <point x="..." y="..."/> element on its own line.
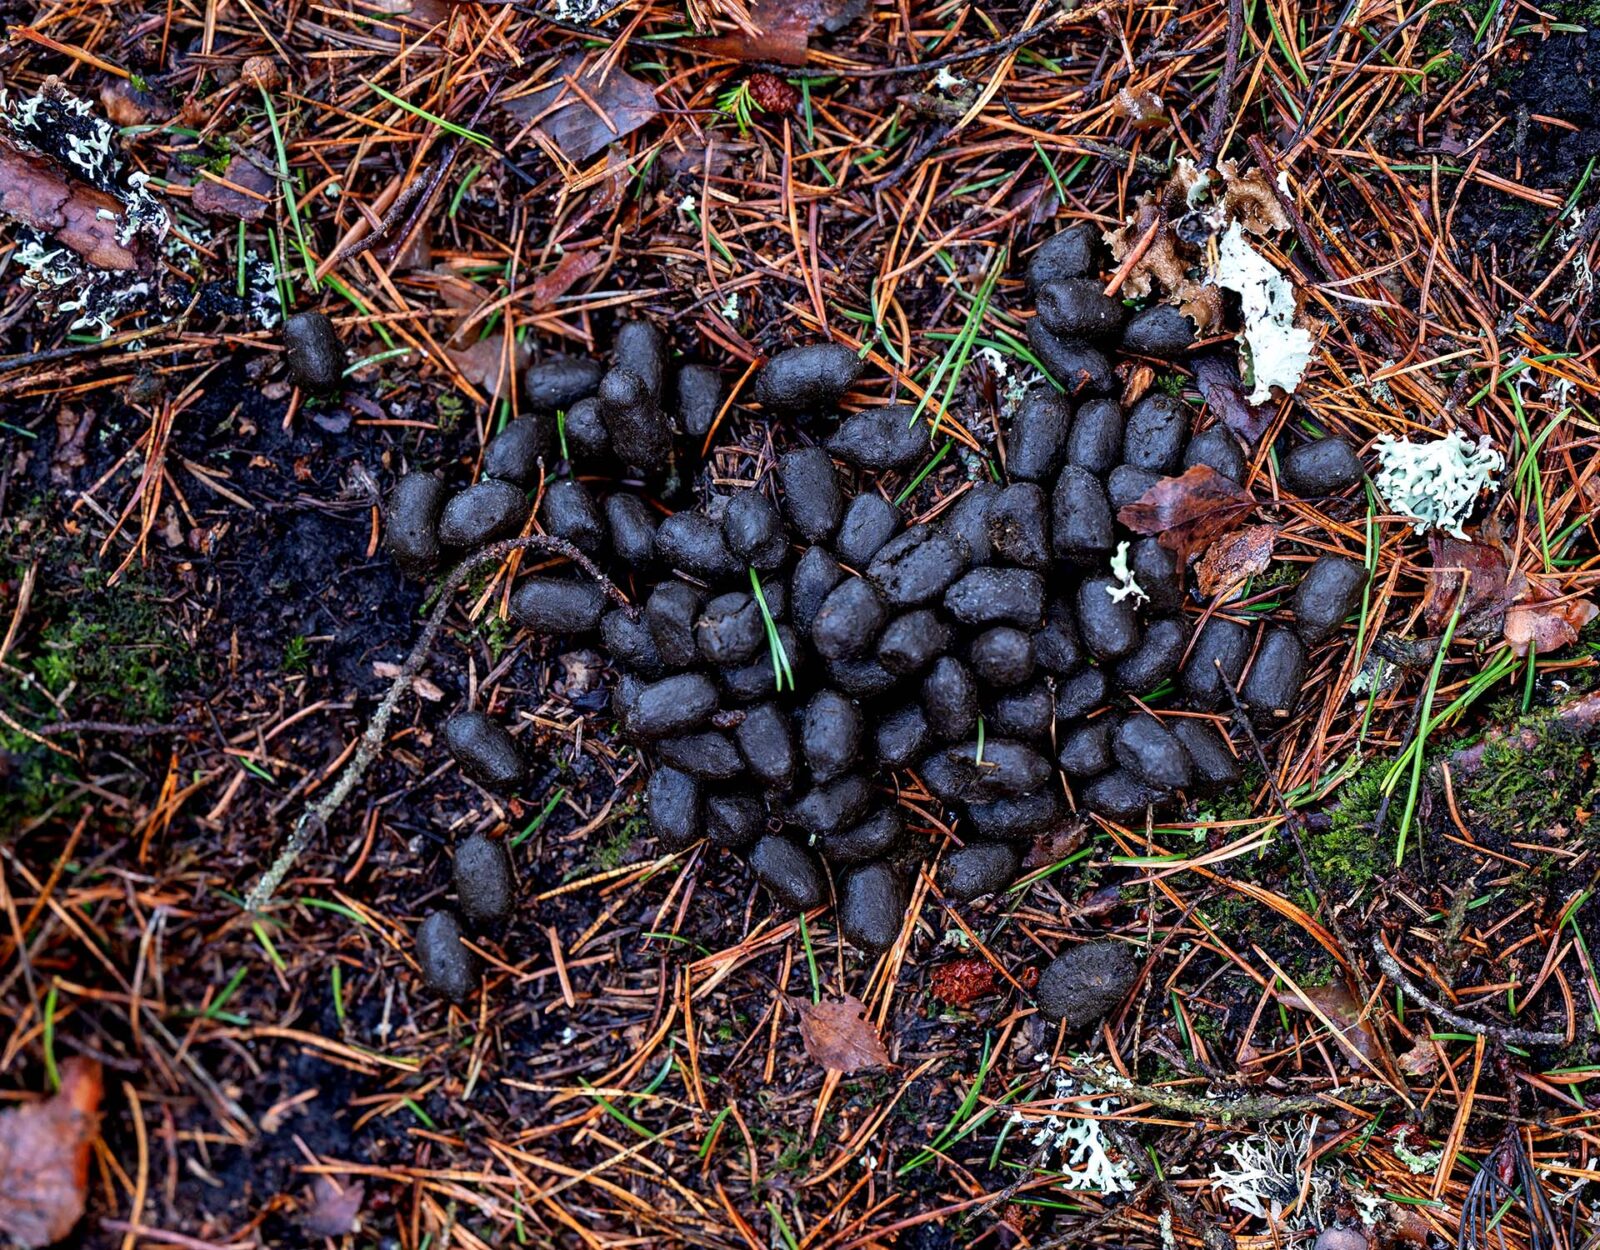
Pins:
<point x="672" y="706"/>
<point x="482" y="513"/>
<point x="411" y="522"/>
<point x="1109" y="627"/>
<point x="1214" y="766"/>
<point x="807" y="379"/>
<point x="869" y="521"/>
<point x="1156" y="657"/>
<point x="882" y="439"/>
<point x="671" y="611"/>
<point x="946" y="778"/>
<point x="1095" y="442"/>
<point x="872" y="838"/>
<point x="448" y="968"/>
<point x="752" y="531"/>
<point x="1056" y="647"/>
<point x="734" y="820"/>
<point x="860" y="678"/>
<point x="672" y="804"/>
<point x="1026" y="712"/>
<point x="513" y="455"/>
<point x="699" y="399"/>
<point x="916" y="567"/>
<point x="758" y="679"/>
<point x="1223" y="642"/>
<point x="1079" y="368"/>
<point x="1080" y="694"/>
<point x="315" y="357"/>
<point x="872" y="907"/>
<point x="557" y="605"/>
<point x="979" y="868"/>
<point x="731" y="630"/>
<point x="631" y="526"/>
<point x="1161" y="330"/>
<point x="968" y="520"/>
<point x="486" y="888"/>
<point x="902" y="736"/>
<point x="625" y="693"/>
<point x="1146" y="749"/>
<point x="640" y="348"/>
<point x="627" y="639"/>
<point x="1081" y="526"/>
<point x="788" y="872"/>
<point x="1120" y="796"/>
<point x="766" y="742"/>
<point x="1327" y="595"/>
<point x="832" y="806"/>
<point x="1216" y="449"/>
<point x="1002" y="656"/>
<point x="813" y="498"/>
<point x="912" y="640"/>
<point x="1015" y="819"/>
<point x="831" y="728"/>
<point x="1003" y="768"/>
<point x="569" y="511"/>
<point x="485" y="751"/>
<point x="1158" y="573"/>
<point x="1325" y="467"/>
<point x="557" y="382"/>
<point x="1069" y="254"/>
<point x="584" y="432"/>
<point x="1128" y="484"/>
<point x="1036" y="446"/>
<point x="691" y="542"/>
<point x="950" y="699"/>
<point x="637" y="430"/>
<point x="815" y="574"/>
<point x="992" y="596"/>
<point x="848" y="621"/>
<point x="1086" y="749"/>
<point x="1154" y="434"/>
<point x="1019" y="526"/>
<point x="1272" y="686"/>
<point x="708" y="755"/>
<point x="1085" y="983"/>
<point x="1078" y="308"/>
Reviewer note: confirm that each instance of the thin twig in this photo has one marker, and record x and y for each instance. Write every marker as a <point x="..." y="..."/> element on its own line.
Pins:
<point x="1499" y="1032"/>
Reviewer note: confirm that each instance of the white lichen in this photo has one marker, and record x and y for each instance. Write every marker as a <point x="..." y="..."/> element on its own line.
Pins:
<point x="1269" y="1175"/>
<point x="1126" y="585"/>
<point x="1435" y="485"/>
<point x="944" y="80"/>
<point x="1278" y="349"/>
<point x="1084" y="1160"/>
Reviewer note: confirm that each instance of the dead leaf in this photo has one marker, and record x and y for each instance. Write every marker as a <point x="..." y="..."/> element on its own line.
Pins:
<point x="1251" y="200"/>
<point x="572" y="267"/>
<point x="1421" y="1060"/>
<point x="782" y="30"/>
<point x="961" y="982"/>
<point x="1484" y="578"/>
<point x="484" y="364"/>
<point x="1544" y="621"/>
<point x="44" y="1158"/>
<point x="1185" y="513"/>
<point x="1343" y="1009"/>
<point x="1142" y="110"/>
<point x="335" y="1210"/>
<point x="424" y="688"/>
<point x="617" y="104"/>
<point x="838" y="1035"/>
<point x="213" y="197"/>
<point x="74" y="214"/>
<point x="1055" y="844"/>
<point x="1223" y="392"/>
<point x="1235" y="557"/>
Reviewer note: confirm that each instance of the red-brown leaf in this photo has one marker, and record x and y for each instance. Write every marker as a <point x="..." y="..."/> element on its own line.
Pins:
<point x="1542" y="620"/>
<point x="569" y="269"/>
<point x="44" y="1158"/>
<point x="1343" y="1009"/>
<point x="1234" y="557"/>
<point x="838" y="1035"/>
<point x="962" y="982"/>
<point x="334" y="1211"/>
<point x="1185" y="513"/>
<point x="213" y="197"/>
<point x="568" y="120"/>
<point x="1219" y="384"/>
<point x="1481" y="566"/>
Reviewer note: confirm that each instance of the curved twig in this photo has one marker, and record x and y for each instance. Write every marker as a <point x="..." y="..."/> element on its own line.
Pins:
<point x="1499" y="1032"/>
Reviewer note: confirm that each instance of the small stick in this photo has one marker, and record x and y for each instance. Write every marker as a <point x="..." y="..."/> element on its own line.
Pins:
<point x="1497" y="1032"/>
<point x="316" y="815"/>
<point x="1217" y="123"/>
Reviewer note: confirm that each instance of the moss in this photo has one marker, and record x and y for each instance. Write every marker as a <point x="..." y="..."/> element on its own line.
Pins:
<point x="1518" y="786"/>
<point x="624" y="833"/>
<point x="1347" y="855"/>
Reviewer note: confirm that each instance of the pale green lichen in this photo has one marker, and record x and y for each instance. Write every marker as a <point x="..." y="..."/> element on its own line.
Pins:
<point x="1435" y="485"/>
<point x="1126" y="583"/>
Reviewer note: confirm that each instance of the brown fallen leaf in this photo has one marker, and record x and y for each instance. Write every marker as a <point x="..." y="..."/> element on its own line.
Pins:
<point x="1343" y="1009"/>
<point x="837" y="1034"/>
<point x="572" y="267"/>
<point x="961" y="982"/>
<point x="1421" y="1060"/>
<point x="583" y="121"/>
<point x="782" y="30"/>
<point x="44" y="1158"/>
<point x="1235" y="557"/>
<point x="335" y="1210"/>
<point x="1223" y="392"/>
<point x="484" y="364"/>
<point x="1185" y="513"/>
<point x="1542" y="620"/>
<point x="213" y="197"/>
<point x="1482" y="567"/>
